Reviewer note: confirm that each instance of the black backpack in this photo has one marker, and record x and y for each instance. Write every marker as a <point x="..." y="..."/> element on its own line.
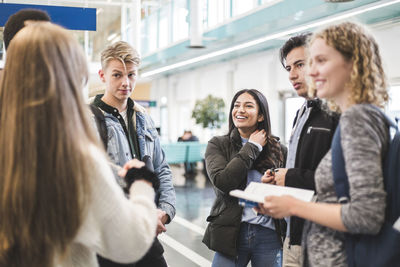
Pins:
<point x="382" y="249"/>
<point x="101" y="124"/>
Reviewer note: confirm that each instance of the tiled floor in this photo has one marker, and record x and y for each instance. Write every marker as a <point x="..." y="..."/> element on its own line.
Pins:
<point x="182" y="241"/>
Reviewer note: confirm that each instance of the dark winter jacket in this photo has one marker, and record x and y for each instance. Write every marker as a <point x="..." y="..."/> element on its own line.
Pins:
<point x="315" y="141"/>
<point x="227" y="164"/>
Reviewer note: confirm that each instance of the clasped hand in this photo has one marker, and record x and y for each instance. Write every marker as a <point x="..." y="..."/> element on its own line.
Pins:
<point x="277" y="177"/>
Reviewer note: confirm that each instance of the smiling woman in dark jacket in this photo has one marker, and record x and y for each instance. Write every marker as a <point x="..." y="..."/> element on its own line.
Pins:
<point x="237" y="234"/>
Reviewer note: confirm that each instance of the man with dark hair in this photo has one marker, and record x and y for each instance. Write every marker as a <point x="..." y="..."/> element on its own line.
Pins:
<point x="311" y="137"/>
<point x="18" y="20"/>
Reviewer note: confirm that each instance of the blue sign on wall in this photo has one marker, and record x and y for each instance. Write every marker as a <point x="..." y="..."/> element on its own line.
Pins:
<point x="72" y="18"/>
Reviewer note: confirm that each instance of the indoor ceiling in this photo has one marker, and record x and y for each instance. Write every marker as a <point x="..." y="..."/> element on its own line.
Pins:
<point x="286" y="16"/>
<point x="267" y="28"/>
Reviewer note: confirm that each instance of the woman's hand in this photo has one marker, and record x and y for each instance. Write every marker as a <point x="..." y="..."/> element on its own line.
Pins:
<point x="277" y="207"/>
<point x="259" y="137"/>
<point x="133" y="163"/>
<point x="326" y="214"/>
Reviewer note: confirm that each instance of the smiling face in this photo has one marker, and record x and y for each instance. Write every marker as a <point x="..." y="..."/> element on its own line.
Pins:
<point x="295" y="65"/>
<point x="245" y="114"/>
<point x="330" y="72"/>
<point x="120" y="81"/>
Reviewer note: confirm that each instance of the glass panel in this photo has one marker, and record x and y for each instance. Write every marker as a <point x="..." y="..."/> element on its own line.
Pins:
<point x="180" y="21"/>
<point x="145" y="37"/>
<point x="163" y="29"/>
<point x="265" y="1"/>
<point x="217" y="12"/>
<point x="240" y="6"/>
<point x="393" y="108"/>
<point x="152" y="32"/>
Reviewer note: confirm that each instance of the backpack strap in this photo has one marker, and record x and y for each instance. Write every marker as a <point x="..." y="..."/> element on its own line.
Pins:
<point x="339" y="169"/>
<point x="100" y="123"/>
<point x="389" y="121"/>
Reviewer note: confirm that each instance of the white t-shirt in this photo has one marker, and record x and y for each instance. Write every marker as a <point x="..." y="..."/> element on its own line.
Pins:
<point x="124" y="116"/>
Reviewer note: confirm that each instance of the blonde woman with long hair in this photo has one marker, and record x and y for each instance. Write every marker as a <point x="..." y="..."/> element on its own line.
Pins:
<point x="346" y="69"/>
<point x="59" y="201"/>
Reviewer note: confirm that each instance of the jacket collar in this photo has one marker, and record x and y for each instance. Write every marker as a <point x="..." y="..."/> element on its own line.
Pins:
<point x="110" y="109"/>
<point x="314" y="103"/>
<point x="235" y="138"/>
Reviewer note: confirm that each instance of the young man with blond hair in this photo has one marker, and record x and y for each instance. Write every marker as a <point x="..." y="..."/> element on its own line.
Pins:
<point x="131" y="134"/>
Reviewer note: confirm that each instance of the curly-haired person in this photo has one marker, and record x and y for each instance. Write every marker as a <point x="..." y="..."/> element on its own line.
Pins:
<point x="346" y="69"/>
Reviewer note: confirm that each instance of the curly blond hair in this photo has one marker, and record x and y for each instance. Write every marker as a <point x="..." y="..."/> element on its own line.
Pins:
<point x="367" y="80"/>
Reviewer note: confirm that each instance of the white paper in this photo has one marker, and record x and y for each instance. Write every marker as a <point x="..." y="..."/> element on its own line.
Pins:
<point x="396" y="225"/>
<point x="258" y="191"/>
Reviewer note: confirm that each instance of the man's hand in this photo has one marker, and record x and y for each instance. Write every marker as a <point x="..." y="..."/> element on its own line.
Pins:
<point x="280" y="175"/>
<point x="162" y="219"/>
<point x="268" y="177"/>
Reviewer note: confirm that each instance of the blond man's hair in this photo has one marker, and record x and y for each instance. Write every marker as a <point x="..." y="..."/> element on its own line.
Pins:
<point x="121" y="51"/>
<point x="367" y="80"/>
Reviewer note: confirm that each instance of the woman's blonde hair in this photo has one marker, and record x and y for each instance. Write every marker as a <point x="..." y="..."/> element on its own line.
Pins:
<point x="367" y="80"/>
<point x="44" y="135"/>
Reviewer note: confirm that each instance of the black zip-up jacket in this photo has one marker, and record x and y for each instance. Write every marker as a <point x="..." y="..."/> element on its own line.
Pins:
<point x="315" y="141"/>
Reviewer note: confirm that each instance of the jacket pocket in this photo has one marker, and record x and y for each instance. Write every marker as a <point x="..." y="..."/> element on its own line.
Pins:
<point x="216" y="210"/>
<point x="318" y="129"/>
<point x="149" y="135"/>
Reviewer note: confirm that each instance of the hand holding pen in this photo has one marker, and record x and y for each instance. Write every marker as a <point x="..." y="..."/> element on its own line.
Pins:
<point x="275" y="176"/>
<point x="269" y="176"/>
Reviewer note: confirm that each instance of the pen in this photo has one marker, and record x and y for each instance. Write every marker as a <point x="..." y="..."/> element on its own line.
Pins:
<point x="273" y="171"/>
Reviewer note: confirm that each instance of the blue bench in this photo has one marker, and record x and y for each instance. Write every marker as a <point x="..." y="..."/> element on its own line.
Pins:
<point x="175" y="153"/>
<point x="184" y="152"/>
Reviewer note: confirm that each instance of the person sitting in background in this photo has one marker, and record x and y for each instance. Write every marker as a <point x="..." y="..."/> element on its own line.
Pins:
<point x="346" y="69"/>
<point x="190" y="168"/>
<point x="60" y="203"/>
<point x="188" y="137"/>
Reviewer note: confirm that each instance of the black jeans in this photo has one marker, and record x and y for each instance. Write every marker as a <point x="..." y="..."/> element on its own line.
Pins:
<point x="153" y="258"/>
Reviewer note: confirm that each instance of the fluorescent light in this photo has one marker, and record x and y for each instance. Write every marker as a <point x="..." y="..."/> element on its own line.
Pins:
<point x="274" y="36"/>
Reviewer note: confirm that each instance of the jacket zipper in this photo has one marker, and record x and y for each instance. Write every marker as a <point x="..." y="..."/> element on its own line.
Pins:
<point x="318" y="129"/>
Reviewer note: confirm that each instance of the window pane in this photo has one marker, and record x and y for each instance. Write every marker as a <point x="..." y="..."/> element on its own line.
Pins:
<point x="163" y="32"/>
<point x="152" y="32"/>
<point x="180" y="21"/>
<point x="240" y="6"/>
<point x="394" y="103"/>
<point x="218" y="11"/>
